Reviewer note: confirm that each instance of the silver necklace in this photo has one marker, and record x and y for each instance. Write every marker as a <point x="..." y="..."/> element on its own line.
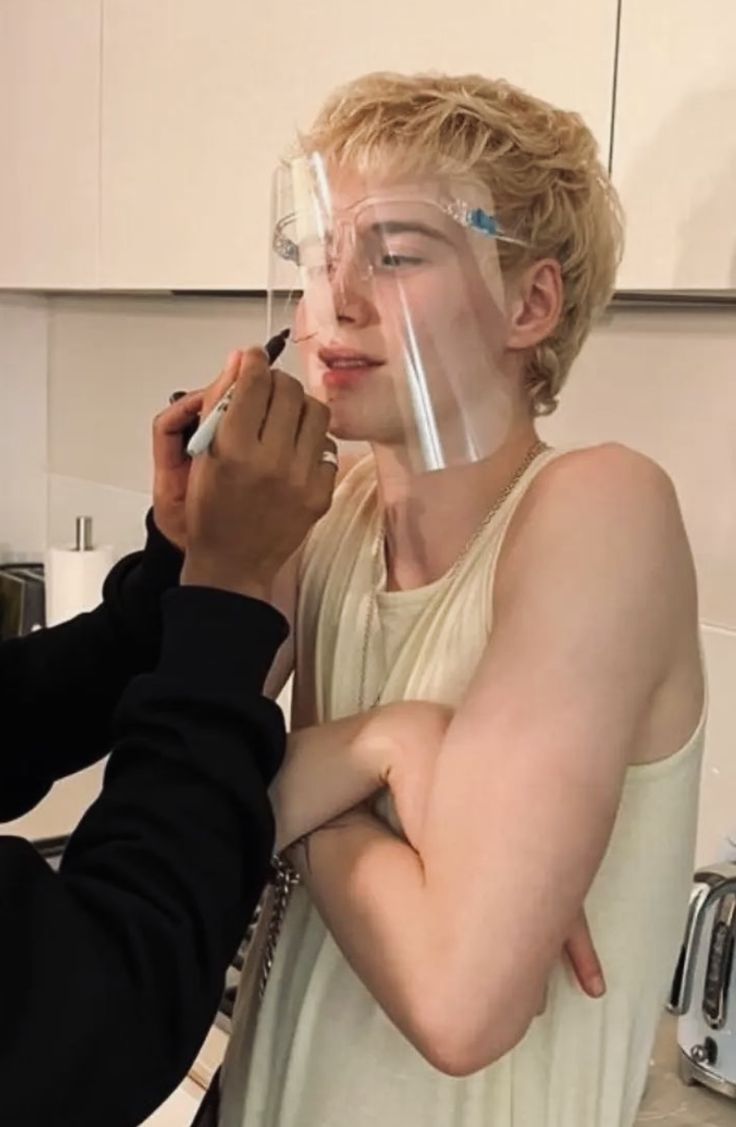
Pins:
<point x="537" y="448"/>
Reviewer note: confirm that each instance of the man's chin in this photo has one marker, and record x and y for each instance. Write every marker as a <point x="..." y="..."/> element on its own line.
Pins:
<point x="346" y="431"/>
<point x="343" y="430"/>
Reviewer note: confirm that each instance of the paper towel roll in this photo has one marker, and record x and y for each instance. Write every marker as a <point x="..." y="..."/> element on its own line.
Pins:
<point x="74" y="580"/>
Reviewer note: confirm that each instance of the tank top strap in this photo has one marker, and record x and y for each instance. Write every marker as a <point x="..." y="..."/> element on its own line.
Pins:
<point x="481" y="559"/>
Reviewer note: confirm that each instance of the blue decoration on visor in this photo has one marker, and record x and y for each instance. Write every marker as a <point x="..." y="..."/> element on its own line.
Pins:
<point x="480" y="220"/>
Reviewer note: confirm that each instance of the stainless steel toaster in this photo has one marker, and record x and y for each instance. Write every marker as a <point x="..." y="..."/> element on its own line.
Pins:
<point x="22" y="602"/>
<point x="704" y="987"/>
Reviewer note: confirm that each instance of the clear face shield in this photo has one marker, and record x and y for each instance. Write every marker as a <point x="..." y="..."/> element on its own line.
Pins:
<point x="401" y="317"/>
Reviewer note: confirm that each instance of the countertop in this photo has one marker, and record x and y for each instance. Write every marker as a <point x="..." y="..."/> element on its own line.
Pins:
<point x="670" y="1102"/>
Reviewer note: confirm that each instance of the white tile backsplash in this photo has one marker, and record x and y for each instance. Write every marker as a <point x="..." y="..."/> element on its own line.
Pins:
<point x="114" y="362"/>
<point x="665" y="383"/>
<point x="718" y="783"/>
<point x="23" y="452"/>
<point x="118" y="515"/>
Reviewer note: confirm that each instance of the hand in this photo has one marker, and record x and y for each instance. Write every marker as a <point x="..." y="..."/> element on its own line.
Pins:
<point x="416" y="731"/>
<point x="297" y="854"/>
<point x="256" y="493"/>
<point x="585" y="962"/>
<point x="170" y="459"/>
<point x="171" y="466"/>
<point x="584" y="959"/>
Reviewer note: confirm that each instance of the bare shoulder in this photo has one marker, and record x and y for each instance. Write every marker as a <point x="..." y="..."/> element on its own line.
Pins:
<point x="609" y="472"/>
<point x="604" y="487"/>
<point x="597" y="551"/>
<point x="607" y="508"/>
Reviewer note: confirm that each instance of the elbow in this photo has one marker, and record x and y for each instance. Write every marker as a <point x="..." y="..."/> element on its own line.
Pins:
<point x="458" y="1041"/>
<point x="460" y="1052"/>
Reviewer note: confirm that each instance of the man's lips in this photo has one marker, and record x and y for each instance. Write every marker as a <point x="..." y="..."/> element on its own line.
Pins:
<point x="347" y="359"/>
<point x="344" y="366"/>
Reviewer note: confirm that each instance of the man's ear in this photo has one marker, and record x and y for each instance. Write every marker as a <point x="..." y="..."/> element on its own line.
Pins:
<point x="536" y="304"/>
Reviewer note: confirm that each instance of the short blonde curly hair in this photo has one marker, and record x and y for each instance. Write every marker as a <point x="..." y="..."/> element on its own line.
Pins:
<point x="549" y="186"/>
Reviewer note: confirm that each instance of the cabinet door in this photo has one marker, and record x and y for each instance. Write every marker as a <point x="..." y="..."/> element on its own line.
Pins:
<point x="674" y="152"/>
<point x="49" y="140"/>
<point x="199" y="100"/>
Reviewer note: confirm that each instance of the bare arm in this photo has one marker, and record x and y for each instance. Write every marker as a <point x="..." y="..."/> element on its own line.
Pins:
<point x="448" y="937"/>
<point x="331" y="768"/>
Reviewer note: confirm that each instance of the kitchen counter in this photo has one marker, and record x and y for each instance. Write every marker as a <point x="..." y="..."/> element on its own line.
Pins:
<point x="670" y="1102"/>
<point x="180" y="1108"/>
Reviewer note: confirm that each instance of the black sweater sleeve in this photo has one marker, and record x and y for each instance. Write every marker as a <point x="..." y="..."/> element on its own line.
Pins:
<point x="112" y="969"/>
<point x="59" y="686"/>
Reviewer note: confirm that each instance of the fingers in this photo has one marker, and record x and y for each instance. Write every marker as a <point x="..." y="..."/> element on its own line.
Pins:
<point x="169" y="427"/>
<point x="242" y="424"/>
<point x="284" y="417"/>
<point x="584" y="959"/>
<point x="312" y="438"/>
<point x="269" y="417"/>
<point x="219" y="387"/>
<point x="312" y="443"/>
<point x="323" y="481"/>
<point x="184" y="411"/>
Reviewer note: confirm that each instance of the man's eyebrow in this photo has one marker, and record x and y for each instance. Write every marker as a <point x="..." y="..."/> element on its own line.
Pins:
<point x="409" y="226"/>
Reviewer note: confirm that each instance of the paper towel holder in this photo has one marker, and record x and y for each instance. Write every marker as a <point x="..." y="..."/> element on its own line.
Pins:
<point x="83" y="534"/>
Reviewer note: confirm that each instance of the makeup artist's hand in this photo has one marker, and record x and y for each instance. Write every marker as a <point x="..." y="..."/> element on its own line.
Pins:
<point x="171" y="465"/>
<point x="170" y="460"/>
<point x="255" y="494"/>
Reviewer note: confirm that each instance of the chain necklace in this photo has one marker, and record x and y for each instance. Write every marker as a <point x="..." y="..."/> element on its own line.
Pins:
<point x="537" y="448"/>
<point x="285" y="878"/>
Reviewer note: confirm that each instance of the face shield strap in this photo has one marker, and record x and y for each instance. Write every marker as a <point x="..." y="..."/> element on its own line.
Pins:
<point x="478" y="219"/>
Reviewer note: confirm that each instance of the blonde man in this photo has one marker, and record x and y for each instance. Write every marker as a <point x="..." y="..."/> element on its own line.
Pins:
<point x="508" y="646"/>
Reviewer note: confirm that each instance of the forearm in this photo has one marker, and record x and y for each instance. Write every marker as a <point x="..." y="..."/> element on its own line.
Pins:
<point x="130" y="940"/>
<point x="58" y="687"/>
<point x="369" y="887"/>
<point x="50" y="679"/>
<point x="330" y="768"/>
<point x="388" y="915"/>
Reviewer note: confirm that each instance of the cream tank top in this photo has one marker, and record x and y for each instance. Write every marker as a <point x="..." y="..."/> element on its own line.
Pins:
<point x="322" y="1053"/>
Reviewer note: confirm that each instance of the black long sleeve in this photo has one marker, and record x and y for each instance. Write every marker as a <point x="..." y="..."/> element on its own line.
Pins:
<point x="112" y="969"/>
<point x="59" y="687"/>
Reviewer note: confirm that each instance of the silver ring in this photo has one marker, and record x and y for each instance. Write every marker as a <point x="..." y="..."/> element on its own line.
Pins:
<point x="330" y="458"/>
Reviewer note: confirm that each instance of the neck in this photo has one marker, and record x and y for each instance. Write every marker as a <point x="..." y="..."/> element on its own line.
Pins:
<point x="430" y="517"/>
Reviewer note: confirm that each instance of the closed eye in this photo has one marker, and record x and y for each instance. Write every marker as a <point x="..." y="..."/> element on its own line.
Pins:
<point x="397" y="261"/>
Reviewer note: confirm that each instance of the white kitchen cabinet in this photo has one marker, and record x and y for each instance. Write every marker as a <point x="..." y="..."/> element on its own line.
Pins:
<point x="674" y="152"/>
<point x="49" y="141"/>
<point x="199" y="99"/>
